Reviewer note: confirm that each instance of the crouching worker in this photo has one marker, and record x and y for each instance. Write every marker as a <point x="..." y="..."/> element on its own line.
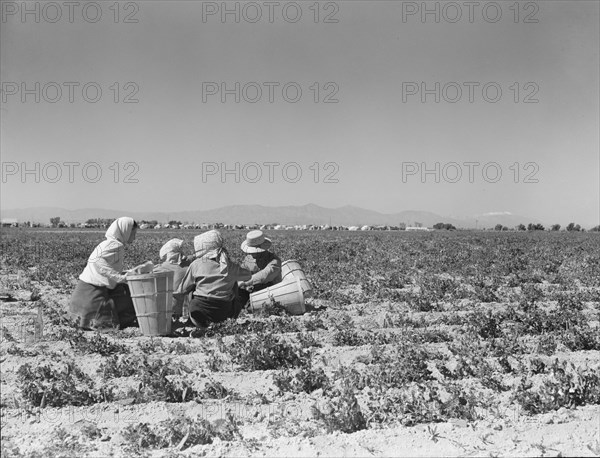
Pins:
<point x="102" y="298"/>
<point x="264" y="265"/>
<point x="213" y="278"/>
<point x="172" y="259"/>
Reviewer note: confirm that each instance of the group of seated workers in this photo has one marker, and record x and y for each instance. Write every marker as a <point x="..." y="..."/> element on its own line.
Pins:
<point x="215" y="287"/>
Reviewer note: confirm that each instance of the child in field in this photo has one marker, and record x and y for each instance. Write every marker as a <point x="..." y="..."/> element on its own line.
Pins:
<point x="213" y="278"/>
<point x="101" y="297"/>
<point x="172" y="258"/>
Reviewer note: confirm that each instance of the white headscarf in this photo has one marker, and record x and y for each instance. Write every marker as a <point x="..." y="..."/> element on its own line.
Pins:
<point x="172" y="251"/>
<point x="210" y="245"/>
<point x="120" y="229"/>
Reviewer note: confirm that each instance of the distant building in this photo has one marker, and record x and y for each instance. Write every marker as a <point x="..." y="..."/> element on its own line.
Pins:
<point x="417" y="228"/>
<point x="10" y="222"/>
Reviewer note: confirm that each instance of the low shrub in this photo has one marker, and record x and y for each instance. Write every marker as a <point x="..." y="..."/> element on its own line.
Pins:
<point x="46" y="385"/>
<point x="97" y="343"/>
<point x="159" y="381"/>
<point x="427" y="402"/>
<point x="341" y="411"/>
<point x="307" y="379"/>
<point x="564" y="386"/>
<point x="261" y="352"/>
<point x="180" y="433"/>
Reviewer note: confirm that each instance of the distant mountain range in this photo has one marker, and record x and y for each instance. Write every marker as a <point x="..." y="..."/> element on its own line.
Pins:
<point x="288" y="215"/>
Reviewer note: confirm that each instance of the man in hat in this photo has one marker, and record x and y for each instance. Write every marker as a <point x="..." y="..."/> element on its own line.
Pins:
<point x="264" y="265"/>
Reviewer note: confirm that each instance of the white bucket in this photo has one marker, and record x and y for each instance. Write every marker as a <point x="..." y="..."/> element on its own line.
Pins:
<point x="288" y="293"/>
<point x="292" y="269"/>
<point x="152" y="296"/>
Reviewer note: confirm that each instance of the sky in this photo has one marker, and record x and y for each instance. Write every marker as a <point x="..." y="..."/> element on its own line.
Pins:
<point x="458" y="111"/>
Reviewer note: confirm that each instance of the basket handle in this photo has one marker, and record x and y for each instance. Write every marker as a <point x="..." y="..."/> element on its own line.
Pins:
<point x="133" y="296"/>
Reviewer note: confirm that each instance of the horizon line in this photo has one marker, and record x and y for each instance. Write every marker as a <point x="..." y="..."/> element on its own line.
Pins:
<point x="491" y="213"/>
<point x="466" y="220"/>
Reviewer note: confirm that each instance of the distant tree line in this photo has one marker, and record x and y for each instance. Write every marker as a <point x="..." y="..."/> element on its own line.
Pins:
<point x="100" y="222"/>
<point x="446" y="226"/>
<point x="572" y="227"/>
<point x="105" y="222"/>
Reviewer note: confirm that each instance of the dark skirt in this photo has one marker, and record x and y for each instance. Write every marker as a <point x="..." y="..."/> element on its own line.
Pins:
<point x="95" y="307"/>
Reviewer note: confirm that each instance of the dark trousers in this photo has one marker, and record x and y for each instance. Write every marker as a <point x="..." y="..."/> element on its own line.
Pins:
<point x="242" y="296"/>
<point x="204" y="310"/>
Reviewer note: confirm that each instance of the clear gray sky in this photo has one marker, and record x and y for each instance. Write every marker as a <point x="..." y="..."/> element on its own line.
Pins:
<point x="376" y="57"/>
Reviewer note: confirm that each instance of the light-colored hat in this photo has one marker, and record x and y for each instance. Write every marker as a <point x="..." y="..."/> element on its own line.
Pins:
<point x="255" y="242"/>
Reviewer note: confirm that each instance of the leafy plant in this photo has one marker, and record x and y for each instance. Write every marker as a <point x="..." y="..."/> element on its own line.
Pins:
<point x="116" y="366"/>
<point x="264" y="352"/>
<point x="47" y="386"/>
<point x="181" y="433"/>
<point x="272" y="308"/>
<point x="307" y="340"/>
<point x="307" y="379"/>
<point x="95" y="344"/>
<point x="341" y="412"/>
<point x="163" y="382"/>
<point x="214" y="390"/>
<point x="158" y="381"/>
<point x="566" y="386"/>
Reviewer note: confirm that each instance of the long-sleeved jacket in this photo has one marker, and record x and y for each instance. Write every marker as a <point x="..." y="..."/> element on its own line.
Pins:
<point x="205" y="277"/>
<point x="179" y="272"/>
<point x="265" y="269"/>
<point x="105" y="264"/>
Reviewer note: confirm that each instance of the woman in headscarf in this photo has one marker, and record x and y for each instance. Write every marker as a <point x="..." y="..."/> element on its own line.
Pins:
<point x="101" y="297"/>
<point x="213" y="278"/>
<point x="173" y="259"/>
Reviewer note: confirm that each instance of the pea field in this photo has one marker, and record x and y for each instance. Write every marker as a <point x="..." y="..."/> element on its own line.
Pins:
<point x="462" y="343"/>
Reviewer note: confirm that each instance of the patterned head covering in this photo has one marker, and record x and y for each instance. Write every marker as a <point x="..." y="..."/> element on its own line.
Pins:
<point x="172" y="251"/>
<point x="120" y="229"/>
<point x="210" y="245"/>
